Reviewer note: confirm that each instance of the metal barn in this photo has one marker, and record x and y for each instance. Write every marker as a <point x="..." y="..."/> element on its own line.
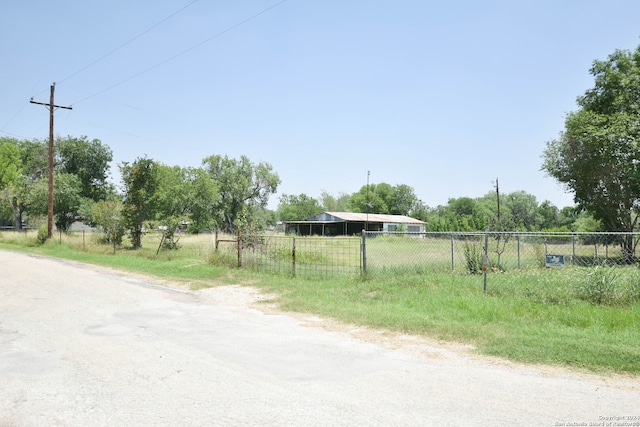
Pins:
<point x="352" y="223"/>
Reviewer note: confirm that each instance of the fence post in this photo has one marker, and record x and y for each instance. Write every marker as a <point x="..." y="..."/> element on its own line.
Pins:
<point x="485" y="263"/>
<point x="518" y="239"/>
<point x="573" y="254"/>
<point x="364" y="251"/>
<point x="293" y="257"/>
<point x="453" y="262"/>
<point x="239" y="249"/>
<point x="215" y="243"/>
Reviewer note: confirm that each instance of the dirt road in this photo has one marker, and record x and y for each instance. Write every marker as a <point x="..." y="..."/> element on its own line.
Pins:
<point x="84" y="346"/>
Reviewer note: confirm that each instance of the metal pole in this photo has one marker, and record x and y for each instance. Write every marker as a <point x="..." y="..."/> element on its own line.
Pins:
<point x="239" y="249"/>
<point x="453" y="264"/>
<point x="293" y="257"/>
<point x="364" y="251"/>
<point x="485" y="261"/>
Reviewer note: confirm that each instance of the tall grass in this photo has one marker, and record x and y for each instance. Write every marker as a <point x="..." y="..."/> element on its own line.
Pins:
<point x="537" y="316"/>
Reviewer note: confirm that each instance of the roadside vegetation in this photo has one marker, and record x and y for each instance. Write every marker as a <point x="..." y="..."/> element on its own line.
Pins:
<point x="584" y="318"/>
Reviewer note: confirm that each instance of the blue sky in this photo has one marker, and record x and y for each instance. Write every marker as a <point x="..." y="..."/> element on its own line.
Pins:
<point x="442" y="96"/>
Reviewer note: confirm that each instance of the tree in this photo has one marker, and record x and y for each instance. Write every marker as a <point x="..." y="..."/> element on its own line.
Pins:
<point x="368" y="200"/>
<point x="331" y="203"/>
<point x="201" y="196"/>
<point x="10" y="171"/>
<point x="140" y="185"/>
<point x="67" y="199"/>
<point x="597" y="156"/>
<point x="89" y="161"/>
<point x="297" y="208"/>
<point x="384" y="198"/>
<point x="523" y="208"/>
<point x="403" y="200"/>
<point x="10" y="163"/>
<point x="185" y="195"/>
<point x="244" y="189"/>
<point x="107" y="215"/>
<point x="549" y="216"/>
<point x="35" y="158"/>
<point x="21" y="164"/>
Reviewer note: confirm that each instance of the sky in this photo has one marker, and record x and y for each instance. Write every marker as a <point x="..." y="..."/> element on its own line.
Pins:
<point x="444" y="96"/>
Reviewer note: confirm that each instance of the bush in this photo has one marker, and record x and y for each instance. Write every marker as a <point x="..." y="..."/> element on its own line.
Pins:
<point x="43" y="234"/>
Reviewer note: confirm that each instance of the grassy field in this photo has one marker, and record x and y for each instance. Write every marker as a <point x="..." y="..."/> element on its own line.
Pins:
<point x="587" y="318"/>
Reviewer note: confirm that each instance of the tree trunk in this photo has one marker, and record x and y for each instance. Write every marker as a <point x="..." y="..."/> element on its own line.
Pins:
<point x="18" y="208"/>
<point x="628" y="248"/>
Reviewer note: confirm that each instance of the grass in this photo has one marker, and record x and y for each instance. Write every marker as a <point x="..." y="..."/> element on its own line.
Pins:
<point x="533" y="316"/>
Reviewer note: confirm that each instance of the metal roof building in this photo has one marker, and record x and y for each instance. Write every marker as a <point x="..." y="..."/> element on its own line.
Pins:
<point x="350" y="223"/>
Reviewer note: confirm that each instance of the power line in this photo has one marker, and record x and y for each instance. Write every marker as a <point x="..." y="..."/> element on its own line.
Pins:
<point x="127" y="42"/>
<point x="228" y="29"/>
<point x="14" y="116"/>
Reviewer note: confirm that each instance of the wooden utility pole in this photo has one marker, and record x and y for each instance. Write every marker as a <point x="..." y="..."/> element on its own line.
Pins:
<point x="51" y="106"/>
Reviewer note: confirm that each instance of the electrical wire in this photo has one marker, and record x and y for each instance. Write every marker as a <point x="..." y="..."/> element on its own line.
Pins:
<point x="14" y="116"/>
<point x="127" y="42"/>
<point x="226" y="30"/>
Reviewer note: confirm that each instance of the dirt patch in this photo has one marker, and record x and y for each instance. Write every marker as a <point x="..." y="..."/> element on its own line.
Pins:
<point x="450" y="352"/>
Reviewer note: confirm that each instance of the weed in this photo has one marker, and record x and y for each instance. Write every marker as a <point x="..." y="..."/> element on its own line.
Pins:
<point x="599" y="286"/>
<point x="473" y="258"/>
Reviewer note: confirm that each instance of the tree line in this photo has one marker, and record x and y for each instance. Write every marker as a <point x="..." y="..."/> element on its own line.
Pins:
<point x="222" y="193"/>
<point x="226" y="194"/>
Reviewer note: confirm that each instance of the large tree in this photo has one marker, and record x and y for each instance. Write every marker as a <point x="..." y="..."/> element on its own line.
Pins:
<point x="186" y="194"/>
<point x="597" y="156"/>
<point x="384" y="198"/>
<point x="245" y="187"/>
<point x="297" y="207"/>
<point x="89" y="161"/>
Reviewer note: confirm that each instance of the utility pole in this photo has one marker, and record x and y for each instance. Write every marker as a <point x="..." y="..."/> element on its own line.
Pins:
<point x="51" y="106"/>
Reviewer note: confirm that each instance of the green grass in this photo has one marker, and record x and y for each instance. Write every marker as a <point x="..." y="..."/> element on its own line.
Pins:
<point x="533" y="316"/>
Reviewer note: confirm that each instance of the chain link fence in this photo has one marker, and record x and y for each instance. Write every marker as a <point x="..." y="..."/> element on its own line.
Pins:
<point x="378" y="252"/>
<point x="497" y="251"/>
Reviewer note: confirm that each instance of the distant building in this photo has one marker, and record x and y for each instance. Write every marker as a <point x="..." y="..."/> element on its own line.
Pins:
<point x="350" y="223"/>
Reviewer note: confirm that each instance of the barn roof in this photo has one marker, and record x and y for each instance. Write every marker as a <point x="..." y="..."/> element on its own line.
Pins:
<point x="362" y="217"/>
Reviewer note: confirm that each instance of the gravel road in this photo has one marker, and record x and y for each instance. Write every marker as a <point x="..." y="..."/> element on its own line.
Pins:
<point x="86" y="346"/>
